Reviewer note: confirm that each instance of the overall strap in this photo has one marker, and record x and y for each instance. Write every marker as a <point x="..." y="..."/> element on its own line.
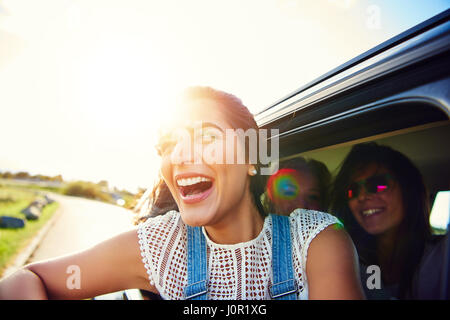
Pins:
<point x="197" y="265"/>
<point x="284" y="285"/>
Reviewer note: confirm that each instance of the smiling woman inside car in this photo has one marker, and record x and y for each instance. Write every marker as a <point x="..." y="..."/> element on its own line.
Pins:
<point x="380" y="196"/>
<point x="299" y="183"/>
<point x="221" y="244"/>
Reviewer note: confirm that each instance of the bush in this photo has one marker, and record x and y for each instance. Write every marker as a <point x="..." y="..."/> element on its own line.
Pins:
<point x="87" y="190"/>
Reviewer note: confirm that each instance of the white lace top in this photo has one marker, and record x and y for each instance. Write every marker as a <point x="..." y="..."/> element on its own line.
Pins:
<point x="236" y="271"/>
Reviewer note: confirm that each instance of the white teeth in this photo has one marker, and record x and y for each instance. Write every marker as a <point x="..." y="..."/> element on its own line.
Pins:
<point x="183" y="182"/>
<point x="370" y="212"/>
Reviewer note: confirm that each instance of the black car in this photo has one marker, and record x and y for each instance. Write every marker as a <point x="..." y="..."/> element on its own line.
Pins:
<point x="397" y="94"/>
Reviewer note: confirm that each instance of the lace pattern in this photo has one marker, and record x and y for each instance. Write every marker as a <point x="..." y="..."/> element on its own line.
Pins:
<point x="238" y="271"/>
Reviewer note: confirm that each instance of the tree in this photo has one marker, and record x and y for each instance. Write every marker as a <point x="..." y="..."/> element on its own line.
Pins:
<point x="7" y="175"/>
<point x="57" y="178"/>
<point x="22" y="175"/>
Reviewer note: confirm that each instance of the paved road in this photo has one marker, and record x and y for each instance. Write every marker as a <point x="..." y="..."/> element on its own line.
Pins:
<point x="81" y="224"/>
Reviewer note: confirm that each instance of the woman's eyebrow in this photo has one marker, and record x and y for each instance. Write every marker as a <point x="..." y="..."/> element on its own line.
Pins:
<point x="211" y="124"/>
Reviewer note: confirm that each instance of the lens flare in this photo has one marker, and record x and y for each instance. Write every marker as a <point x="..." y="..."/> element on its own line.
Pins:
<point x="284" y="185"/>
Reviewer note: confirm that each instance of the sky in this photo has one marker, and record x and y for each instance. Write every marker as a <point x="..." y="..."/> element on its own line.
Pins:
<point x="84" y="84"/>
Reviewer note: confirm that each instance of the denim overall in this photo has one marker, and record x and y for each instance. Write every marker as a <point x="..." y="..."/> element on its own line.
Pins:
<point x="284" y="286"/>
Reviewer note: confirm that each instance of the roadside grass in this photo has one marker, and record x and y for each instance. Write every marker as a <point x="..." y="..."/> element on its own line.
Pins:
<point x="12" y="201"/>
<point x="29" y="186"/>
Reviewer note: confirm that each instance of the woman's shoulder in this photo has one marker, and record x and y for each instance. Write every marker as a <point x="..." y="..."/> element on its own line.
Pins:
<point x="159" y="227"/>
<point x="312" y="219"/>
<point x="170" y="217"/>
<point x="434" y="252"/>
<point x="306" y="225"/>
<point x="158" y="237"/>
<point x="427" y="282"/>
<point x="327" y="254"/>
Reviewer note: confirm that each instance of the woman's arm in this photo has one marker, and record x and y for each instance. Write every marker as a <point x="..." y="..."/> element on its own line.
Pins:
<point x="22" y="285"/>
<point x="332" y="266"/>
<point x="112" y="265"/>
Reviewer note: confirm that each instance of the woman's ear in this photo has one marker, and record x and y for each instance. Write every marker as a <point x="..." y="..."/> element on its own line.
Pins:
<point x="252" y="171"/>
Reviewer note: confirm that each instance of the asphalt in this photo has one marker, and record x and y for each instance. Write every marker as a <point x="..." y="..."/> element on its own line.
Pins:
<point x="76" y="225"/>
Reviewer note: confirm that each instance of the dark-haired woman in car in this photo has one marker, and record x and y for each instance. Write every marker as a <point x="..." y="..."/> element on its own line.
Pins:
<point x="381" y="198"/>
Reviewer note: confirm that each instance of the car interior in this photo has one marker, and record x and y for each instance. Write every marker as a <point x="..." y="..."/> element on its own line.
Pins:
<point x="423" y="144"/>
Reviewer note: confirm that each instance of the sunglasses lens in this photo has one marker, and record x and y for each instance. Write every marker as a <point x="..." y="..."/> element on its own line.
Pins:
<point x="350" y="194"/>
<point x="372" y="185"/>
<point x="353" y="191"/>
<point x="377" y="184"/>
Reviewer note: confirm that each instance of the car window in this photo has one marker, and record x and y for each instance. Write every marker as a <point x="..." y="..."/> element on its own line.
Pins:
<point x="440" y="212"/>
<point x="422" y="144"/>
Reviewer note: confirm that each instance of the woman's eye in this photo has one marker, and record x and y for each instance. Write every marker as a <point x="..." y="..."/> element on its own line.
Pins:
<point x="164" y="147"/>
<point x="208" y="137"/>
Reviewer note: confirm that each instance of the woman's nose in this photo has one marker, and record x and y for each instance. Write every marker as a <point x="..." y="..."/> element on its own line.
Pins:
<point x="185" y="150"/>
<point x="363" y="194"/>
<point x="182" y="153"/>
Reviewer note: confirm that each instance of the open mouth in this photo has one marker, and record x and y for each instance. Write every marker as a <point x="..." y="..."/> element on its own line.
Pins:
<point x="194" y="188"/>
<point x="371" y="212"/>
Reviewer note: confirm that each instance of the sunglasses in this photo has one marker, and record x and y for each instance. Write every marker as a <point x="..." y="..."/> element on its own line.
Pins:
<point x="372" y="185"/>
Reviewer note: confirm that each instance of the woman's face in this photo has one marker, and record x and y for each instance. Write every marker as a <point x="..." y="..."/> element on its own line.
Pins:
<point x="382" y="209"/>
<point x="306" y="188"/>
<point x="206" y="190"/>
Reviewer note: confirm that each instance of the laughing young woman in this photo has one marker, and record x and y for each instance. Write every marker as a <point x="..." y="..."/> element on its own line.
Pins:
<point x="381" y="197"/>
<point x="221" y="244"/>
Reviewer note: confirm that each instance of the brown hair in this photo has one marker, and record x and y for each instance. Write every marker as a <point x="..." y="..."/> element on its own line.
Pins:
<point x="415" y="228"/>
<point x="155" y="202"/>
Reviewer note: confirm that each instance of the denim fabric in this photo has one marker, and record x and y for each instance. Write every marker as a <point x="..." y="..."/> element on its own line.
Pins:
<point x="197" y="265"/>
<point x="284" y="285"/>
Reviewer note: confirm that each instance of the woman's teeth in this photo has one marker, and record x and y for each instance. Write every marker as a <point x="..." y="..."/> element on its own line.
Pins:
<point x="370" y="212"/>
<point x="184" y="182"/>
<point x="194" y="189"/>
